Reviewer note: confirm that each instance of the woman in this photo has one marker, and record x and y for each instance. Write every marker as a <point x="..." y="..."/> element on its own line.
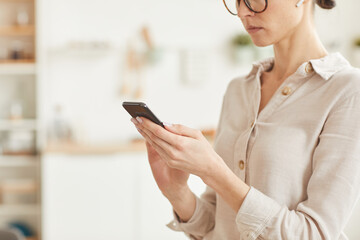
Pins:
<point x="286" y="158"/>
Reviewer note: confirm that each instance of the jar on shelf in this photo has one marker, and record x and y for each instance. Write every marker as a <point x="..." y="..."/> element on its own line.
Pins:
<point x="17" y="50"/>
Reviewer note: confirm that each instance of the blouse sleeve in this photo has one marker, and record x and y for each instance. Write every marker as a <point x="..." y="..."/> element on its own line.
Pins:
<point x="333" y="188"/>
<point x="203" y="219"/>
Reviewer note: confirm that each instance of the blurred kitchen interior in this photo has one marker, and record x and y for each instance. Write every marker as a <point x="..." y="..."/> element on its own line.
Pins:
<point x="72" y="166"/>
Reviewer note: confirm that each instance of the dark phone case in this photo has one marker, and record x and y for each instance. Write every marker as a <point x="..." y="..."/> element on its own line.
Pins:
<point x="140" y="109"/>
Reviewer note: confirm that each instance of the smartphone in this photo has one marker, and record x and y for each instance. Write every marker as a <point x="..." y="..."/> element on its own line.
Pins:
<point x="140" y="109"/>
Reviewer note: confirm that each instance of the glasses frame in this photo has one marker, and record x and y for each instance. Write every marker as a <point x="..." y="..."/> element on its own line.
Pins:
<point x="247" y="5"/>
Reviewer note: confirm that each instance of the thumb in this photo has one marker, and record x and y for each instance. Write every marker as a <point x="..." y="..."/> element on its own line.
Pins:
<point x="182" y="130"/>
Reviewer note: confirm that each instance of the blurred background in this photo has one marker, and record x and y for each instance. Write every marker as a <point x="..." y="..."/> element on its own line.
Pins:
<point x="72" y="166"/>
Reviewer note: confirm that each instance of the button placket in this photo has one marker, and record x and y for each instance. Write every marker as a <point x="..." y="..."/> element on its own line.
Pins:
<point x="240" y="161"/>
<point x="240" y="148"/>
<point x="243" y="161"/>
<point x="252" y="127"/>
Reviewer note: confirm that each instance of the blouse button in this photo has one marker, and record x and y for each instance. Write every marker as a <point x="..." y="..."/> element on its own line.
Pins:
<point x="309" y="68"/>
<point x="286" y="91"/>
<point x="241" y="165"/>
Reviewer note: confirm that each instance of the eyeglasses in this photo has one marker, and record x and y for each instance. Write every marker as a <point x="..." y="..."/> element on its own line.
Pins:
<point x="256" y="6"/>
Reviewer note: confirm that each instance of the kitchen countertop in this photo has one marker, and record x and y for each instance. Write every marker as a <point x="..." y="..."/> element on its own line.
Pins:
<point x="133" y="146"/>
<point x="95" y="149"/>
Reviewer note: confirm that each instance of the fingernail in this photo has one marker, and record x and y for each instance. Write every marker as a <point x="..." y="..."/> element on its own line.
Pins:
<point x="139" y="119"/>
<point x="167" y="124"/>
<point x="133" y="120"/>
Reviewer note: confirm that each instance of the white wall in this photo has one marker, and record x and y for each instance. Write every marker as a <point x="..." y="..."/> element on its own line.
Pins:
<point x="338" y="27"/>
<point x="87" y="84"/>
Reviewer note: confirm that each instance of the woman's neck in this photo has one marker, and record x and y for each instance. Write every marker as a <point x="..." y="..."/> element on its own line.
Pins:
<point x="302" y="45"/>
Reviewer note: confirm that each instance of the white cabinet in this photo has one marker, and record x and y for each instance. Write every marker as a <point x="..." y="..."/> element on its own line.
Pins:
<point x="104" y="197"/>
<point x="111" y="197"/>
<point x="88" y="197"/>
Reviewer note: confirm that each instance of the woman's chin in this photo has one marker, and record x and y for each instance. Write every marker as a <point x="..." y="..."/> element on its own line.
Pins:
<point x="261" y="41"/>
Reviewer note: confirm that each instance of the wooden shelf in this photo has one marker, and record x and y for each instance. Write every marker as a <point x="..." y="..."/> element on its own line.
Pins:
<point x="18" y="161"/>
<point x="21" y="125"/>
<point x="19" y="210"/>
<point x="17" y="67"/>
<point x="16" y="31"/>
<point x="17" y="61"/>
<point x="18" y="186"/>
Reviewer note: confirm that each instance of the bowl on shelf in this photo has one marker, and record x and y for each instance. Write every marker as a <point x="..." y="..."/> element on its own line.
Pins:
<point x="18" y="143"/>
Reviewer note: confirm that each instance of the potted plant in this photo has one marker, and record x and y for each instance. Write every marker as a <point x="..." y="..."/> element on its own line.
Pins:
<point x="356" y="52"/>
<point x="242" y="48"/>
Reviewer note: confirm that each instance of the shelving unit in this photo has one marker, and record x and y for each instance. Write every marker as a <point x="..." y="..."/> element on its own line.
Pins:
<point x="20" y="162"/>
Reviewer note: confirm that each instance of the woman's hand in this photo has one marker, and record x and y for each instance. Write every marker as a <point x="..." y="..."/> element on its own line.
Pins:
<point x="187" y="150"/>
<point x="181" y="148"/>
<point x="172" y="182"/>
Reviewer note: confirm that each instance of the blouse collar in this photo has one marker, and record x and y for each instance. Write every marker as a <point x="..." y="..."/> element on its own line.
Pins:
<point x="325" y="67"/>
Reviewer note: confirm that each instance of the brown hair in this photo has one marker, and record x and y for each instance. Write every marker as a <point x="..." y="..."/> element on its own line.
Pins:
<point x="326" y="4"/>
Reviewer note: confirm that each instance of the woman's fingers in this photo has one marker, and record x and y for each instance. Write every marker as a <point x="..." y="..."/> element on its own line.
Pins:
<point x="170" y="151"/>
<point x="163" y="148"/>
<point x="154" y="144"/>
<point x="183" y="130"/>
<point x="172" y="140"/>
<point x="160" y="132"/>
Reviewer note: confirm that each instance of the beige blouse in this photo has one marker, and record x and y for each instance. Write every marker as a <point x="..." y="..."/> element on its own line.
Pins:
<point x="300" y="155"/>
